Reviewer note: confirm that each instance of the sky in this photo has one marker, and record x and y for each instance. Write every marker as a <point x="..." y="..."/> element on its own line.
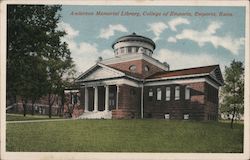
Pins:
<point x="185" y="36"/>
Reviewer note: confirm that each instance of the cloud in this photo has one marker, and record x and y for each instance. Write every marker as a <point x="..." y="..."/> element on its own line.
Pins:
<point x="177" y="21"/>
<point x="172" y="39"/>
<point x="179" y="60"/>
<point x="208" y="36"/>
<point x="84" y="54"/>
<point x="157" y="28"/>
<point x="110" y="31"/>
<point x="71" y="33"/>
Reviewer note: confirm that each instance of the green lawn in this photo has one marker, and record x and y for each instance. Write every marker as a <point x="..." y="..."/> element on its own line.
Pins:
<point x="20" y="117"/>
<point x="125" y="136"/>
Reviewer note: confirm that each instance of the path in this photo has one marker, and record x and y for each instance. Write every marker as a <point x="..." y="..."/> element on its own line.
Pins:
<point x="46" y="120"/>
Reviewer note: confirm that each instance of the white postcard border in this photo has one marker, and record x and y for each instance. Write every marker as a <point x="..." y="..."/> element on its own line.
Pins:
<point x="106" y="155"/>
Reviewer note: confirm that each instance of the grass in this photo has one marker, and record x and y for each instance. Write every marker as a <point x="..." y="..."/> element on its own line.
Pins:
<point x="20" y="117"/>
<point x="125" y="136"/>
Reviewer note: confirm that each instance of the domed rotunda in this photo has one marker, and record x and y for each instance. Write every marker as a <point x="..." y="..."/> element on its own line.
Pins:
<point x="133" y="43"/>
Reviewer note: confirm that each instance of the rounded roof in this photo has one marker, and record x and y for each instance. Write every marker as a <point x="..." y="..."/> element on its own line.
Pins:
<point x="134" y="37"/>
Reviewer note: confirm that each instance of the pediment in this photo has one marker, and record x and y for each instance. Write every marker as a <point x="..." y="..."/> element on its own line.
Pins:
<point x="99" y="72"/>
<point x="216" y="74"/>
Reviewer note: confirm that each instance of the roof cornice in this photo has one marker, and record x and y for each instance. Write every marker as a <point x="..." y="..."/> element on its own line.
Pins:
<point x="177" y="77"/>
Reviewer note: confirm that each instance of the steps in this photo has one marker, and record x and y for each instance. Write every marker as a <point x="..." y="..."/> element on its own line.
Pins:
<point x="96" y="115"/>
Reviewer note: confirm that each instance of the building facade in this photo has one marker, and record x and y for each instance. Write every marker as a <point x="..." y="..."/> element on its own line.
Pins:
<point x="133" y="84"/>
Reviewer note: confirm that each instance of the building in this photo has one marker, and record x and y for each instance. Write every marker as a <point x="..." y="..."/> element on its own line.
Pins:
<point x="40" y="107"/>
<point x="133" y="84"/>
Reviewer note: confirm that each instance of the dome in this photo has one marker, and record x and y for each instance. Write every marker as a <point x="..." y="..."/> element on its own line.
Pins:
<point x="134" y="37"/>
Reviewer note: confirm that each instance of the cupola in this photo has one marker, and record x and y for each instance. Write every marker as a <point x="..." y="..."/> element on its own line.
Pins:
<point x="133" y="44"/>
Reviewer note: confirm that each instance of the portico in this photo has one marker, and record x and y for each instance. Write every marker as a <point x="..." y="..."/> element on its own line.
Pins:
<point x="101" y="98"/>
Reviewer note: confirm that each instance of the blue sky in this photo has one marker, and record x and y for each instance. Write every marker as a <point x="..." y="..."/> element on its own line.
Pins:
<point x="182" y="41"/>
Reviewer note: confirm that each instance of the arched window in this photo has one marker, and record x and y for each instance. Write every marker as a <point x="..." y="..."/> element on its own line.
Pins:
<point x="132" y="68"/>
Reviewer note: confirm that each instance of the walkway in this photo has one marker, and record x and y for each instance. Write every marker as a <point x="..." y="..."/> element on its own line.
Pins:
<point x="46" y="120"/>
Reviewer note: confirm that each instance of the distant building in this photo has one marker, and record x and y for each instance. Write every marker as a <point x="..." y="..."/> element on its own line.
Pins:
<point x="40" y="107"/>
<point x="133" y="84"/>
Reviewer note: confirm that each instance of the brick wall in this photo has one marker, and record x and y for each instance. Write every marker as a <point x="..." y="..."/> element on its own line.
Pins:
<point x="129" y="102"/>
<point x="212" y="102"/>
<point x="154" y="108"/>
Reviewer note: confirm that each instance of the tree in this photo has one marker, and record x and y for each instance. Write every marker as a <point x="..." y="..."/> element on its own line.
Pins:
<point x="37" y="59"/>
<point x="233" y="91"/>
<point x="24" y="44"/>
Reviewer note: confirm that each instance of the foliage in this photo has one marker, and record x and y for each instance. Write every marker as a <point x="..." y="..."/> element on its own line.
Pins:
<point x="38" y="62"/>
<point x="125" y="136"/>
<point x="233" y="90"/>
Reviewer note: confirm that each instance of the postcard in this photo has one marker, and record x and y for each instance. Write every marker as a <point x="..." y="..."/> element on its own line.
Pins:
<point x="131" y="80"/>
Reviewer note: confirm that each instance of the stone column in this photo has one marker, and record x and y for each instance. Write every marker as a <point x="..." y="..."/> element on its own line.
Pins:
<point x="86" y="100"/>
<point x="96" y="99"/>
<point x="117" y="96"/>
<point x="106" y="98"/>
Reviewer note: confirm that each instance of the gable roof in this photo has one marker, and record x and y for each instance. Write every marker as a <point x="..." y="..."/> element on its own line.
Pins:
<point x="213" y="71"/>
<point x="99" y="71"/>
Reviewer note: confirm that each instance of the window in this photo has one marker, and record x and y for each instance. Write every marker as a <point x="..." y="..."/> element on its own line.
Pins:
<point x="122" y="50"/>
<point x="133" y="49"/>
<point x="150" y="93"/>
<point x="158" y="94"/>
<point x="116" y="51"/>
<point x="146" y="68"/>
<point x="168" y="93"/>
<point x="177" y="92"/>
<point x="141" y="50"/>
<point x="187" y="92"/>
<point x="129" y="49"/>
<point x="167" y="116"/>
<point x="136" y="49"/>
<point x="186" y="116"/>
<point x="132" y="68"/>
